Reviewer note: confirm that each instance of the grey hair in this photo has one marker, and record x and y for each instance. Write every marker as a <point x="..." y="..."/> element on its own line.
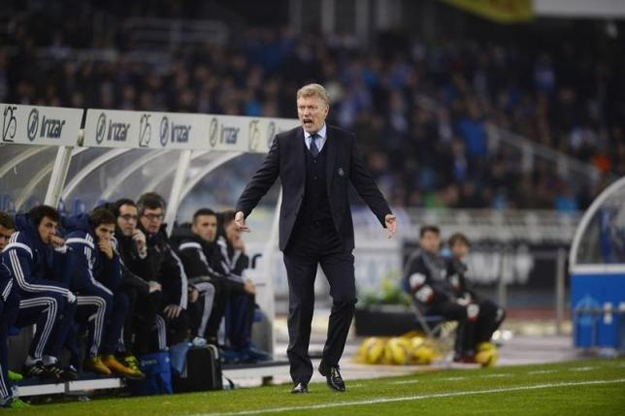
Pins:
<point x="150" y="200"/>
<point x="310" y="90"/>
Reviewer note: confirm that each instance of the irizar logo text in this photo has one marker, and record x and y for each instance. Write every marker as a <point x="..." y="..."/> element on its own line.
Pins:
<point x="173" y="133"/>
<point x="117" y="132"/>
<point x="227" y="135"/>
<point x="51" y="128"/>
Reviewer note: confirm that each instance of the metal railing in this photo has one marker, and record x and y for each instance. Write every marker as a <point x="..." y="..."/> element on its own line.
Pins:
<point x="151" y="40"/>
<point x="530" y="152"/>
<point x="497" y="225"/>
<point x="169" y="34"/>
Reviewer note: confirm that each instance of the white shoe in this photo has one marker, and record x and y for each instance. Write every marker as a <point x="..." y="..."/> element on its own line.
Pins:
<point x="199" y="342"/>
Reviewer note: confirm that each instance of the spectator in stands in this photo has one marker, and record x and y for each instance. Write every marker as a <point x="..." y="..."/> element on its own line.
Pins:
<point x="138" y="283"/>
<point x="425" y="278"/>
<point x="203" y="263"/>
<point x="28" y="257"/>
<point x="172" y="319"/>
<point x="7" y="227"/>
<point x="9" y="304"/>
<point x="94" y="273"/>
<point x="490" y="315"/>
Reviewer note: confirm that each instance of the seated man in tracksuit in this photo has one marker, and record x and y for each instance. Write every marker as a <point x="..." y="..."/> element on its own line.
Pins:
<point x="138" y="283"/>
<point x="242" y="292"/>
<point x="490" y="315"/>
<point x="94" y="272"/>
<point x="9" y="304"/>
<point x="426" y="280"/>
<point x="29" y="259"/>
<point x="172" y="320"/>
<point x="202" y="262"/>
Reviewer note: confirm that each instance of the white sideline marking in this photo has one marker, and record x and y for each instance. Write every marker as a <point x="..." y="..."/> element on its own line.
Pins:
<point x="355" y="386"/>
<point x="542" y="372"/>
<point x="453" y="378"/>
<point x="405" y="382"/>
<point x="496" y="375"/>
<point x="582" y="368"/>
<point x="413" y="398"/>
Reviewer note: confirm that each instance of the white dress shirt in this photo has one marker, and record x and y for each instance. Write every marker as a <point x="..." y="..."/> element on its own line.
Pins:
<point x="319" y="141"/>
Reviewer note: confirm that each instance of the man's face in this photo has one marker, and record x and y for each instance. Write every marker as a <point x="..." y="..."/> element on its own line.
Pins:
<point x="460" y="250"/>
<point x="430" y="242"/>
<point x="152" y="219"/>
<point x="47" y="229"/>
<point x="206" y="227"/>
<point x="231" y="231"/>
<point x="127" y="219"/>
<point x="312" y="112"/>
<point x="5" y="234"/>
<point x="105" y="232"/>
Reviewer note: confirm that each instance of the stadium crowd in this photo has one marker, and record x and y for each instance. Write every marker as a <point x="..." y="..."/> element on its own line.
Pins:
<point x="423" y="156"/>
<point x="117" y="276"/>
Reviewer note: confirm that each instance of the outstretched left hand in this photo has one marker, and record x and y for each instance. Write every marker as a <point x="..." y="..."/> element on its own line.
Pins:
<point x="391" y="224"/>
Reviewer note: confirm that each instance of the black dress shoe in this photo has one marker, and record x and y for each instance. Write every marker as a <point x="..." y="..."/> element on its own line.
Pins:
<point x="300" y="388"/>
<point x="333" y="377"/>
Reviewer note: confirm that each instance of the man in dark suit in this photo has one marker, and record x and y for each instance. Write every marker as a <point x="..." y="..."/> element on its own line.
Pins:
<point x="315" y="163"/>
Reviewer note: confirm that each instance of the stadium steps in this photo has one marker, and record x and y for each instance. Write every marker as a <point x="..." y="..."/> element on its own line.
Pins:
<point x="236" y="372"/>
<point x="33" y="386"/>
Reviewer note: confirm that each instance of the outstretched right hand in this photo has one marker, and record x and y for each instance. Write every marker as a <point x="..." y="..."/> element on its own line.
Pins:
<point x="239" y="220"/>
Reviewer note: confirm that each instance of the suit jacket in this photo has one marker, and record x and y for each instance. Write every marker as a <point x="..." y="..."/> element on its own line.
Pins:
<point x="286" y="159"/>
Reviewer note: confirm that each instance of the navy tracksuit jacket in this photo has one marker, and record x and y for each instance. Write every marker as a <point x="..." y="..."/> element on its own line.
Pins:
<point x="42" y="299"/>
<point x="94" y="278"/>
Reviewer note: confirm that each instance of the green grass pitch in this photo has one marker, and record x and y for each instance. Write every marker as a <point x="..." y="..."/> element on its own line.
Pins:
<point x="588" y="387"/>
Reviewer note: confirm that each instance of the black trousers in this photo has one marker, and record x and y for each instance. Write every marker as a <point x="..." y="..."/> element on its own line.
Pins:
<point x="465" y="335"/>
<point x="317" y="244"/>
<point x="8" y="312"/>
<point x="488" y="321"/>
<point x="196" y="310"/>
<point x="177" y="328"/>
<point x="140" y="320"/>
<point x="222" y="294"/>
<point x="471" y="332"/>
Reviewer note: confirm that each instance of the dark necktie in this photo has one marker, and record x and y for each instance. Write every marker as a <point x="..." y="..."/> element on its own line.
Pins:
<point x="313" y="147"/>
